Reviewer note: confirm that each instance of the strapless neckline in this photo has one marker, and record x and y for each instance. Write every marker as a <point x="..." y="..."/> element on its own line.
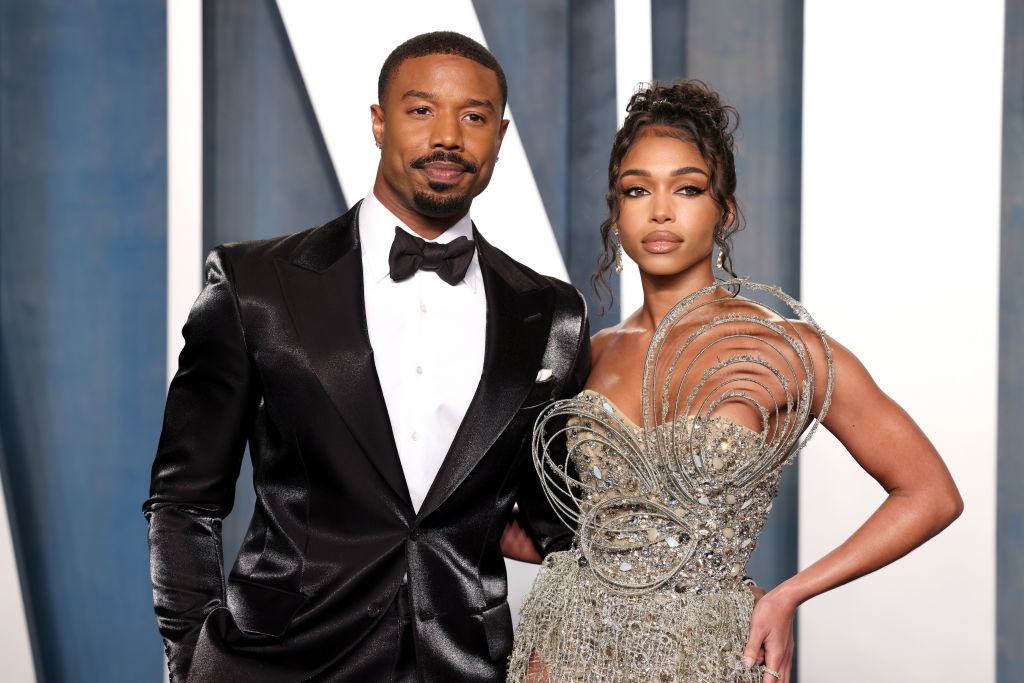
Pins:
<point x="630" y="423"/>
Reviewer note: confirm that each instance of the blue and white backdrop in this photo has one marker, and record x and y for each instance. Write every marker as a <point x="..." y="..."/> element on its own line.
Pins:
<point x="881" y="165"/>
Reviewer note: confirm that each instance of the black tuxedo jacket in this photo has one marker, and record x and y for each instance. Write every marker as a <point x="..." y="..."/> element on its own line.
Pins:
<point x="277" y="355"/>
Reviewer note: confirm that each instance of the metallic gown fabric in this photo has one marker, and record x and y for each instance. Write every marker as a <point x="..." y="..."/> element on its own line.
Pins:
<point x="276" y="356"/>
<point x="667" y="513"/>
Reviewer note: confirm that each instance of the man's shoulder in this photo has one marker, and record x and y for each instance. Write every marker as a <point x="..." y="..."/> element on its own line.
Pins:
<point x="330" y="236"/>
<point x="271" y="247"/>
<point x="566" y="295"/>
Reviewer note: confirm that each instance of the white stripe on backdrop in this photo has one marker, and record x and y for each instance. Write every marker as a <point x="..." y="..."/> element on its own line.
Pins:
<point x="900" y="257"/>
<point x="184" y="168"/>
<point x="184" y="172"/>
<point x="634" y="64"/>
<point x="15" y="648"/>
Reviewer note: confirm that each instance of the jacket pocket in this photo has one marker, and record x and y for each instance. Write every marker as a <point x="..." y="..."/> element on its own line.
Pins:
<point x="262" y="609"/>
<point x="498" y="629"/>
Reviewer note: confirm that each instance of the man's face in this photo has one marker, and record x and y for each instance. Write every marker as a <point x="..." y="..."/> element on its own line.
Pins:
<point x="440" y="129"/>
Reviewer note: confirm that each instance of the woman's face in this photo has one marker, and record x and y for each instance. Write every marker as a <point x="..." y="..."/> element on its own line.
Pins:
<point x="667" y="216"/>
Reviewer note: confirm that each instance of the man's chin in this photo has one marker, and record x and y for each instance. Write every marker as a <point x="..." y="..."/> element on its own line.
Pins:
<point x="441" y="205"/>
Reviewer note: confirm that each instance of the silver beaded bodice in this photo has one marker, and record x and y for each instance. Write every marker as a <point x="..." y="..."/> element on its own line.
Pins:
<point x="637" y="535"/>
<point x="682" y="498"/>
<point x="667" y="512"/>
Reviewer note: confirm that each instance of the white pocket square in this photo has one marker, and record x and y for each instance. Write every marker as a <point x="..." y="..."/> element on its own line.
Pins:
<point x="544" y="375"/>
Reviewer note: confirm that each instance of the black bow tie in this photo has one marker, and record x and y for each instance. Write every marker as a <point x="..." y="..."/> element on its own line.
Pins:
<point x="410" y="253"/>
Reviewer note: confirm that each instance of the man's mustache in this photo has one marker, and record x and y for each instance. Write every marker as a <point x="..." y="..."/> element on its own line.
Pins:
<point x="447" y="157"/>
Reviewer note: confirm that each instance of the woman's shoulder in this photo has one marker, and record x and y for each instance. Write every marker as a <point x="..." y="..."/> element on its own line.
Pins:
<point x="600" y="340"/>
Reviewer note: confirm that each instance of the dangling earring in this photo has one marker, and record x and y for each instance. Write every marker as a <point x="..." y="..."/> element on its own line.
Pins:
<point x="618" y="253"/>
<point x="721" y="260"/>
<point x="377" y="143"/>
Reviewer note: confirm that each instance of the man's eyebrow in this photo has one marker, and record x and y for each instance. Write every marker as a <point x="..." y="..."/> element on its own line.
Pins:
<point x="481" y="103"/>
<point x="418" y="93"/>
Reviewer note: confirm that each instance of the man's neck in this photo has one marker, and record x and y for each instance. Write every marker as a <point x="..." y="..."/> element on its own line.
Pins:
<point x="427" y="227"/>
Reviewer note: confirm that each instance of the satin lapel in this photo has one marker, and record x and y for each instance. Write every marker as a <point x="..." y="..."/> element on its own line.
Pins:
<point x="328" y="311"/>
<point x="518" y="322"/>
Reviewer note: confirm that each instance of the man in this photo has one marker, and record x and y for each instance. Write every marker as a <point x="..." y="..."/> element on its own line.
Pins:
<point x="386" y="370"/>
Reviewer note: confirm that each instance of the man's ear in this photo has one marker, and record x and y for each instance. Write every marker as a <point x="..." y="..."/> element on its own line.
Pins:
<point x="377" y="122"/>
<point x="501" y="132"/>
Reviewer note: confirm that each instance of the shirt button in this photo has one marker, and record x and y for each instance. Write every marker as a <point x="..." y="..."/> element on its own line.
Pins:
<point x="423" y="308"/>
<point x="419" y="369"/>
<point x="415" y="436"/>
<point x="414" y="534"/>
<point x="373" y="610"/>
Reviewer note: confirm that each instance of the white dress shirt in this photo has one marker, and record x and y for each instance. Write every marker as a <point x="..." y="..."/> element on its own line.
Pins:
<point x="428" y="345"/>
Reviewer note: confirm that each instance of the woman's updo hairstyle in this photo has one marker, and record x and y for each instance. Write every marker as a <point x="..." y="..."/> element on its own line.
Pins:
<point x="690" y="111"/>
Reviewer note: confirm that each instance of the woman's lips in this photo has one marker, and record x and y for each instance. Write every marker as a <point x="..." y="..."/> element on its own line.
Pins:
<point x="661" y="242"/>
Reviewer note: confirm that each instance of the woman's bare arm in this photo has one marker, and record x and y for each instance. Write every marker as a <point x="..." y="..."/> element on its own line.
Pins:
<point x="922" y="500"/>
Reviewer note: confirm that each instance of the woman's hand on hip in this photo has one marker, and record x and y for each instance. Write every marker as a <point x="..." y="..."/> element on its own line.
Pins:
<point x="771" y="637"/>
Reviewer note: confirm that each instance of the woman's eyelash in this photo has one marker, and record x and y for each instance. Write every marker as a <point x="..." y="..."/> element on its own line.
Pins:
<point x="687" y="190"/>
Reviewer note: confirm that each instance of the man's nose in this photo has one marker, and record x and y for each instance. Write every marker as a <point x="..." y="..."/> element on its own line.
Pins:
<point x="446" y="132"/>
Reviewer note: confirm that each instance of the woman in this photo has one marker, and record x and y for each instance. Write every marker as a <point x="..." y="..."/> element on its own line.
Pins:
<point x="676" y="446"/>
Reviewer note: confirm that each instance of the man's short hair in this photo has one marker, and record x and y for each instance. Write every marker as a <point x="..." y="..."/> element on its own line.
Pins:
<point x="440" y="43"/>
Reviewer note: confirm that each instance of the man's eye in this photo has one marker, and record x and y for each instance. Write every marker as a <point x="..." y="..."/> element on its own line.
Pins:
<point x="420" y="111"/>
<point x="475" y="118"/>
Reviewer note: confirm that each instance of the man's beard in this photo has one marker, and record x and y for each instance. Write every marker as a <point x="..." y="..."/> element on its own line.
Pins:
<point x="439" y="205"/>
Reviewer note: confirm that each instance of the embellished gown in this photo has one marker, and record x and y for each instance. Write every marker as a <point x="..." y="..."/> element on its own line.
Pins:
<point x="667" y="513"/>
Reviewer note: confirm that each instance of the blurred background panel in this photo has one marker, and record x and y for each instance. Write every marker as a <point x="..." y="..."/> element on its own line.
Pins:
<point x="83" y="250"/>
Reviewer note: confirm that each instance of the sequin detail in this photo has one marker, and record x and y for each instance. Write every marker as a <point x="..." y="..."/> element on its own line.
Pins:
<point x="667" y="513"/>
<point x="609" y="636"/>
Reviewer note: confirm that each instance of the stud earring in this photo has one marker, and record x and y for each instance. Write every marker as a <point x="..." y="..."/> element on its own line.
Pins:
<point x="721" y="260"/>
<point x="377" y="143"/>
<point x="618" y="253"/>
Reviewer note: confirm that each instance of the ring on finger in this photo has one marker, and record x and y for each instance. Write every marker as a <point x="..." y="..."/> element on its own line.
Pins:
<point x="773" y="672"/>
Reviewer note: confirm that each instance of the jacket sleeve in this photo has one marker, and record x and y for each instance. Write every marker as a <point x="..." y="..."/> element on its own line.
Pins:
<point x="537" y="516"/>
<point x="210" y="408"/>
